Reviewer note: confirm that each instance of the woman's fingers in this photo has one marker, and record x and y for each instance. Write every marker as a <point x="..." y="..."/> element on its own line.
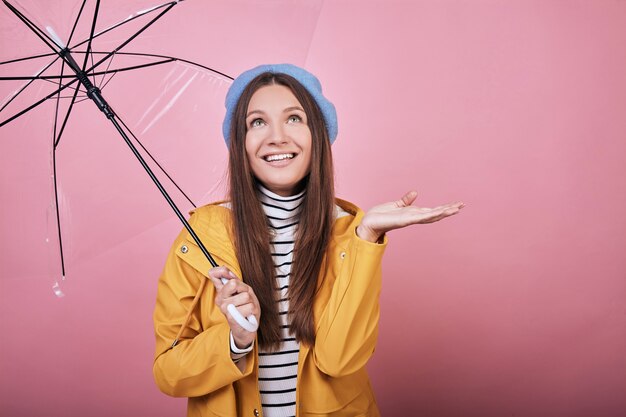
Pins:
<point x="456" y="205"/>
<point x="218" y="273"/>
<point x="405" y="216"/>
<point x="231" y="288"/>
<point x="234" y="292"/>
<point x="246" y="311"/>
<point x="439" y="213"/>
<point x="407" y="199"/>
<point x="239" y="299"/>
<point x="216" y="282"/>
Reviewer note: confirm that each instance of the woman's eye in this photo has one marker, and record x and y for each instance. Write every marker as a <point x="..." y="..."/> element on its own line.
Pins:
<point x="294" y="118"/>
<point x="256" y="123"/>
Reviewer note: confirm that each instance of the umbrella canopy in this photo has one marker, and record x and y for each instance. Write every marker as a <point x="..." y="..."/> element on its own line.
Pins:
<point x="172" y="103"/>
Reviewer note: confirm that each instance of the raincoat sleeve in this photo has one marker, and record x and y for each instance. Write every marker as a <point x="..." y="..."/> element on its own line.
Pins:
<point x="201" y="362"/>
<point x="348" y="326"/>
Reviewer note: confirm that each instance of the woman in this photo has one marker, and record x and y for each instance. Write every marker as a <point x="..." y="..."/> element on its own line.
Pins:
<point x="311" y="267"/>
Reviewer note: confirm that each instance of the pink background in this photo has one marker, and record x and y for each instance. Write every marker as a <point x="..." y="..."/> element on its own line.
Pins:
<point x="515" y="307"/>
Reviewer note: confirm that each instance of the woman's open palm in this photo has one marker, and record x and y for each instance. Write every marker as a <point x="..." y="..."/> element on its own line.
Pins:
<point x="397" y="214"/>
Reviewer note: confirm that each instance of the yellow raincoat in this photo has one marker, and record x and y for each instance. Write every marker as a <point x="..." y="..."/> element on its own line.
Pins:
<point x="332" y="380"/>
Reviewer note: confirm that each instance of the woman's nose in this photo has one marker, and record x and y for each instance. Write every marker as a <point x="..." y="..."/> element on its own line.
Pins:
<point x="278" y="135"/>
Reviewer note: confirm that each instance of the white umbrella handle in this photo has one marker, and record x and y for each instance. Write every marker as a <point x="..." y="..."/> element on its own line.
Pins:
<point x="251" y="324"/>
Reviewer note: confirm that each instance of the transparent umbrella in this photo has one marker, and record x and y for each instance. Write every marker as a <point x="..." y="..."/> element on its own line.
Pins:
<point x="70" y="187"/>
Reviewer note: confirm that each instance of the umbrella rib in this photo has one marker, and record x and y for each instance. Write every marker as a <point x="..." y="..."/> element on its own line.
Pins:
<point x="55" y="77"/>
<point x="93" y="29"/>
<point x="67" y="116"/>
<point x="29" y="57"/>
<point x="48" y="78"/>
<point x="127" y="41"/>
<point x="166" y="60"/>
<point x="134" y="67"/>
<point x="80" y="12"/>
<point x="155" y="161"/>
<point x="37" y="103"/>
<point x="55" y="141"/>
<point x="36" y="77"/>
<point x="108" y="81"/>
<point x="102" y="81"/>
<point x="170" y="4"/>
<point x="28" y="83"/>
<point x="77" y="89"/>
<point x="56" y="108"/>
<point x="170" y="58"/>
<point x="82" y="97"/>
<point x="93" y="74"/>
<point x="56" y="209"/>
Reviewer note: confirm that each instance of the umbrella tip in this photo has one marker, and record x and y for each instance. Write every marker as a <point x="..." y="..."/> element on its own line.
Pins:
<point x="57" y="289"/>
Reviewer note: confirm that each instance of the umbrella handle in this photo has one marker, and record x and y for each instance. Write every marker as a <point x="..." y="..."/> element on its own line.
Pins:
<point x="250" y="324"/>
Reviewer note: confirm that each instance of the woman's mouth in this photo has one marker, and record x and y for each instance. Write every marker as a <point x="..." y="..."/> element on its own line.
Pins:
<point x="279" y="157"/>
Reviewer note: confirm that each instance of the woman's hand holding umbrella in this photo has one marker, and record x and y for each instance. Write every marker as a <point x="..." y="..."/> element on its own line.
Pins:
<point x="236" y="301"/>
<point x="401" y="213"/>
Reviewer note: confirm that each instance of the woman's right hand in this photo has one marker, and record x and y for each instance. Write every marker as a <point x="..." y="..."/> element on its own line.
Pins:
<point x="235" y="292"/>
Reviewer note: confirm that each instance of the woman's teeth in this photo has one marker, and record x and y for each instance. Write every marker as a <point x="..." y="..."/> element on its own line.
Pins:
<point x="279" y="157"/>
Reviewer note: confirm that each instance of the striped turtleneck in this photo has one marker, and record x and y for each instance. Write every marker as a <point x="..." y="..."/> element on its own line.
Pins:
<point x="278" y="370"/>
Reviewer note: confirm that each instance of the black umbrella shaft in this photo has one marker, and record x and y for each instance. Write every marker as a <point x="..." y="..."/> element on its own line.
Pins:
<point x="93" y="92"/>
<point x="162" y="190"/>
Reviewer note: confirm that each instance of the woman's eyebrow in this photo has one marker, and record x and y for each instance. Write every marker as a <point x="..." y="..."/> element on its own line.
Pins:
<point x="288" y="109"/>
<point x="254" y="111"/>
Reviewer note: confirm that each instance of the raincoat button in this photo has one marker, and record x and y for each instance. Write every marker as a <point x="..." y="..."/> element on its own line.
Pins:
<point x="342" y="255"/>
<point x="256" y="413"/>
<point x="184" y="249"/>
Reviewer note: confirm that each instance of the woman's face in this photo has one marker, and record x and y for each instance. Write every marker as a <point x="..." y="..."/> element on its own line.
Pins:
<point x="278" y="139"/>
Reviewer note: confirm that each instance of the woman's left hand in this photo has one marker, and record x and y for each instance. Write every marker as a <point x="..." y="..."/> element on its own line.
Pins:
<point x="397" y="214"/>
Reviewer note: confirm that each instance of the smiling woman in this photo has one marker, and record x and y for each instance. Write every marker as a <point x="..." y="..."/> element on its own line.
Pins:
<point x="306" y="265"/>
<point x="278" y="141"/>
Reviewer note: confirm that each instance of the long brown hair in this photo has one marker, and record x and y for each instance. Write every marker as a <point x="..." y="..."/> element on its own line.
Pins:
<point x="251" y="233"/>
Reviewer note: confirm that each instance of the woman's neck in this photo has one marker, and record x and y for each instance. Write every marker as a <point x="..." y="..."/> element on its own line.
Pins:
<point x="279" y="209"/>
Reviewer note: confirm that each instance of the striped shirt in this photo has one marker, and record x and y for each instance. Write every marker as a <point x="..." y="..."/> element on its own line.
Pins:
<point x="278" y="371"/>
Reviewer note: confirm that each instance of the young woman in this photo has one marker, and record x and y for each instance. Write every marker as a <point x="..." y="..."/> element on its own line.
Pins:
<point x="306" y="265"/>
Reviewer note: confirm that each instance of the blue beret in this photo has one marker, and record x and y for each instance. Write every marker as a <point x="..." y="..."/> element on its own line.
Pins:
<point x="308" y="81"/>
